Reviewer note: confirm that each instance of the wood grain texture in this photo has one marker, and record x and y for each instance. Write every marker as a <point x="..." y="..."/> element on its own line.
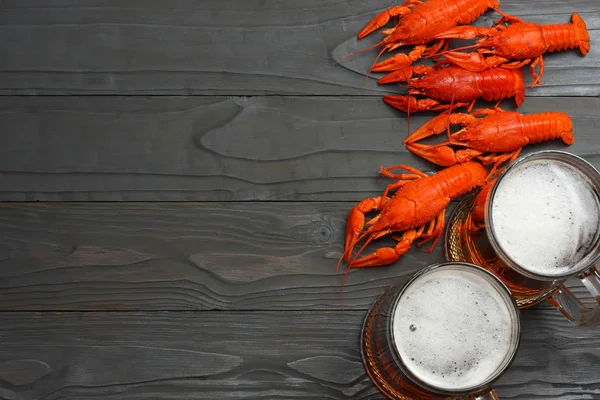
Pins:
<point x="250" y="355"/>
<point x="221" y="148"/>
<point x="239" y="47"/>
<point x="175" y="256"/>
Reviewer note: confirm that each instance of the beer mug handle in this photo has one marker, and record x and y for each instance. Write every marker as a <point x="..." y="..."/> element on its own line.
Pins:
<point x="489" y="394"/>
<point x="572" y="308"/>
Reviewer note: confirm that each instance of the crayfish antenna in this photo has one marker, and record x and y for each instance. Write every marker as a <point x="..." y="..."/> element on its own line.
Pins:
<point x="346" y="251"/>
<point x="372" y="65"/>
<point x="350" y="267"/>
<point x="441" y="53"/>
<point x="351" y="246"/>
<point x="337" y="268"/>
<point x="358" y="52"/>
<point x="408" y="118"/>
<point x="362" y="248"/>
<point x="450" y="112"/>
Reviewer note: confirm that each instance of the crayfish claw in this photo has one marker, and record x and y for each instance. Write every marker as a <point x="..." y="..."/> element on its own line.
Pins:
<point x="354" y="226"/>
<point x="400" y="60"/>
<point x="402" y="74"/>
<point x="472" y="61"/>
<point x="462" y="32"/>
<point x="432" y="127"/>
<point x="443" y="156"/>
<point x="380" y="257"/>
<point x="393" y="63"/>
<point x="355" y="222"/>
<point x="409" y="103"/>
<point x="381" y="19"/>
<point x="387" y="255"/>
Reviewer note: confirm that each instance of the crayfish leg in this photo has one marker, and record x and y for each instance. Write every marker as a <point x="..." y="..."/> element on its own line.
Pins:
<point x="393" y="186"/>
<point x="498" y="160"/>
<point x="416" y="174"/>
<point x="462" y="156"/>
<point x="472" y="104"/>
<point x="434" y="232"/>
<point x="487" y="111"/>
<point x="506" y="18"/>
<point x="441" y="44"/>
<point x="537" y="77"/>
<point x="419" y="232"/>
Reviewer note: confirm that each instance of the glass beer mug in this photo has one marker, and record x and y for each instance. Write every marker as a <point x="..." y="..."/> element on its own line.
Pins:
<point x="540" y="227"/>
<point x="449" y="333"/>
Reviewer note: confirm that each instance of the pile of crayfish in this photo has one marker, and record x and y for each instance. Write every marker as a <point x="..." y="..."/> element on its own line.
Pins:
<point x="492" y="71"/>
<point x="412" y="208"/>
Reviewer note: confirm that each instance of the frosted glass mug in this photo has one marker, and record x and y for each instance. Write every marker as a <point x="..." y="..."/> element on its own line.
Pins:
<point x="528" y="285"/>
<point x="472" y="328"/>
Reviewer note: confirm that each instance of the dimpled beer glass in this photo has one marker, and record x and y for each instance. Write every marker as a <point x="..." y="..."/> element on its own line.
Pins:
<point x="541" y="228"/>
<point x="449" y="333"/>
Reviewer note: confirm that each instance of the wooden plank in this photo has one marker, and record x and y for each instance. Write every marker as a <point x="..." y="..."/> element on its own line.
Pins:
<point x="218" y="148"/>
<point x="255" y="355"/>
<point x="176" y="256"/>
<point x="231" y="47"/>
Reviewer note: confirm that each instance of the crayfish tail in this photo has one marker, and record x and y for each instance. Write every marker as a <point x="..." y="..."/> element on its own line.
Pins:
<point x="584" y="44"/>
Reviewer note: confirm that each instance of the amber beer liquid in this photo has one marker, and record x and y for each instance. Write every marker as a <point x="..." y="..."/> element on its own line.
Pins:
<point x="449" y="333"/>
<point x="541" y="227"/>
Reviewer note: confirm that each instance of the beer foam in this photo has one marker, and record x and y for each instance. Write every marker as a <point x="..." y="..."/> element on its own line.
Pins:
<point x="453" y="329"/>
<point x="545" y="216"/>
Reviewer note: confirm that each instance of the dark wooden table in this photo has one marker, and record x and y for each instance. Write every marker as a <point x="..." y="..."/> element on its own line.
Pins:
<point x="175" y="177"/>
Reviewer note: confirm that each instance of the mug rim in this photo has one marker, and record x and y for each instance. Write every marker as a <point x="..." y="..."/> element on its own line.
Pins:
<point x="516" y="330"/>
<point x="572" y="160"/>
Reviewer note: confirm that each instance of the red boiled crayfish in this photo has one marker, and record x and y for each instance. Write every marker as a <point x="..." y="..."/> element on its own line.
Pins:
<point x="517" y="44"/>
<point x="417" y="208"/>
<point x="455" y="85"/>
<point x="420" y="22"/>
<point x="497" y="137"/>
